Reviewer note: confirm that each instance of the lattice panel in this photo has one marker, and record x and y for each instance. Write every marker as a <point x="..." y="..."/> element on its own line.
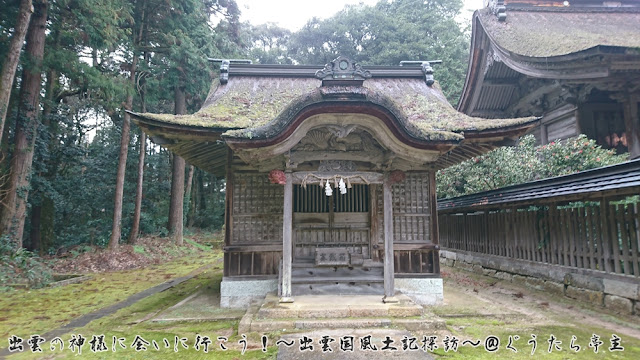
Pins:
<point x="411" y="209"/>
<point x="257" y="209"/>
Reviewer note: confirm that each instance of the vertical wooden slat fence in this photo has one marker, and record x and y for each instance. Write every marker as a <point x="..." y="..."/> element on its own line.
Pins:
<point x="588" y="220"/>
<point x="598" y="235"/>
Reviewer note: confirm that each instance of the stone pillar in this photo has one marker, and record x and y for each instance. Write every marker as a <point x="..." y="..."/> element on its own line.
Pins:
<point x="389" y="286"/>
<point x="287" y="219"/>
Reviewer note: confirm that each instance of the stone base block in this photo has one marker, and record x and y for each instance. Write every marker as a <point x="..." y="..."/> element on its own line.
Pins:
<point x="421" y="290"/>
<point x="594" y="297"/>
<point x="240" y="293"/>
<point x="618" y="304"/>
<point x="553" y="287"/>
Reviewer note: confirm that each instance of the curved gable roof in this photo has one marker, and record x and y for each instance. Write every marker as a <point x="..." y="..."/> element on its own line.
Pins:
<point x="260" y="107"/>
<point x="556" y="32"/>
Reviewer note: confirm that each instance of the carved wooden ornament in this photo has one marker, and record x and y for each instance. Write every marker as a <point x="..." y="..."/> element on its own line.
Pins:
<point x="397" y="176"/>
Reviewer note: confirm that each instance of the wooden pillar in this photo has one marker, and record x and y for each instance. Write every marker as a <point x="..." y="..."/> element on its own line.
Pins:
<point x="228" y="201"/>
<point x="544" y="135"/>
<point x="287" y="219"/>
<point x="389" y="285"/>
<point x="632" y="126"/>
<point x="373" y="216"/>
<point x="433" y="212"/>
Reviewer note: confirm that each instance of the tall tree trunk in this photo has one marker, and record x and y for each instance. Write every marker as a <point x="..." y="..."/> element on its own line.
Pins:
<point x="42" y="231"/>
<point x="176" y="205"/>
<point x="5" y="157"/>
<point x="188" y="192"/>
<point x="135" y="227"/>
<point x="13" y="217"/>
<point x="193" y="198"/>
<point x="202" y="201"/>
<point x="116" y="228"/>
<point x="13" y="56"/>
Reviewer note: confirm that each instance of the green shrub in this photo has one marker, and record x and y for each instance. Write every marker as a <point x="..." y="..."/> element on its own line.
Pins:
<point x="523" y="163"/>
<point x="21" y="267"/>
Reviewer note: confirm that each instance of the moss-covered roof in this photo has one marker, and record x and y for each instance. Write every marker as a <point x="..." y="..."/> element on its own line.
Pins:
<point x="545" y="33"/>
<point x="260" y="107"/>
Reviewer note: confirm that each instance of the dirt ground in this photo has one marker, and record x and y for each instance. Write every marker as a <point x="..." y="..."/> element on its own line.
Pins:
<point x="467" y="292"/>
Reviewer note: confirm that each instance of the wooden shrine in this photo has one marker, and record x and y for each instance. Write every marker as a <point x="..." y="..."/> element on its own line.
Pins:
<point x="330" y="175"/>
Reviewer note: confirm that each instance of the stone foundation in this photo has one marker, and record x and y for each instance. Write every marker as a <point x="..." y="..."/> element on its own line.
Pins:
<point x="424" y="291"/>
<point x="240" y="293"/>
<point x="618" y="293"/>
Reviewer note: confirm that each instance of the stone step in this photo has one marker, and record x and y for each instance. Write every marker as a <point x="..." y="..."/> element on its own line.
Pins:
<point x="305" y="307"/>
<point x="263" y="326"/>
<point x="345" y="312"/>
<point x="338" y="288"/>
<point x="336" y="279"/>
<point x="336" y="272"/>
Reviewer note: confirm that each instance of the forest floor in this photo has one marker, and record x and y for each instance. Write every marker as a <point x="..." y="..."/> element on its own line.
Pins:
<point x="475" y="308"/>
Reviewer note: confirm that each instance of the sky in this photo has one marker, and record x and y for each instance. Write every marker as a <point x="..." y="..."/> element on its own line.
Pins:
<point x="293" y="14"/>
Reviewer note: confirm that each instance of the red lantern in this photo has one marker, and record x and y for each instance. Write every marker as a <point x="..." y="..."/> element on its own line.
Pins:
<point x="277" y="177"/>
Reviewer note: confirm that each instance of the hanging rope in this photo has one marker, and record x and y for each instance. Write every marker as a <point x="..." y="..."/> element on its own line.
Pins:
<point x="338" y="181"/>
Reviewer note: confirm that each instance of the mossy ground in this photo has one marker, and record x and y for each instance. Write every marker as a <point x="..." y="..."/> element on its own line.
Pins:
<point x="476" y="307"/>
<point x="50" y="308"/>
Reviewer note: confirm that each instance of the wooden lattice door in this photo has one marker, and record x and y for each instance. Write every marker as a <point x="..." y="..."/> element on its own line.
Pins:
<point x="338" y="221"/>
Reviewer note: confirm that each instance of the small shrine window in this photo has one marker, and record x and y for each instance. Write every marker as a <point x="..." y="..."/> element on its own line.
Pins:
<point x="313" y="199"/>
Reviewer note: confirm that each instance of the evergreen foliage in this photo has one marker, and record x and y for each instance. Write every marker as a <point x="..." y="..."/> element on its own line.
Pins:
<point x="88" y="53"/>
<point x="390" y="32"/>
<point x="522" y="163"/>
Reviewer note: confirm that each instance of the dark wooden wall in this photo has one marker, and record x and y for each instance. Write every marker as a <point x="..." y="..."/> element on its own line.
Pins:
<point x="414" y="251"/>
<point x="254" y="246"/>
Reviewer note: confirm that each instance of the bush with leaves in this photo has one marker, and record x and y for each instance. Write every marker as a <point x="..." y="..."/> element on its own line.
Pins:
<point x="574" y="155"/>
<point x="523" y="163"/>
<point x="21" y="267"/>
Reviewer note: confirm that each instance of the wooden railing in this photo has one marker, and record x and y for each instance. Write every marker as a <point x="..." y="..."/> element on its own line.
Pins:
<point x="594" y="224"/>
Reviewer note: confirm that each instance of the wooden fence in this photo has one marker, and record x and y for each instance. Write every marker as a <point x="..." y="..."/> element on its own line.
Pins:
<point x="588" y="220"/>
<point x="596" y="236"/>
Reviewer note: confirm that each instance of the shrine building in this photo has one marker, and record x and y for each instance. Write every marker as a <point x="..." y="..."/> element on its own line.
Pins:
<point x="576" y="64"/>
<point x="330" y="175"/>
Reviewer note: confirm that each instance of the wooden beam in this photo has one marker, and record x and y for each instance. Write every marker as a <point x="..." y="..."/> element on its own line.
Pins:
<point x="287" y="222"/>
<point x="532" y="96"/>
<point x="374" y="157"/>
<point x="389" y="286"/>
<point x="362" y="177"/>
